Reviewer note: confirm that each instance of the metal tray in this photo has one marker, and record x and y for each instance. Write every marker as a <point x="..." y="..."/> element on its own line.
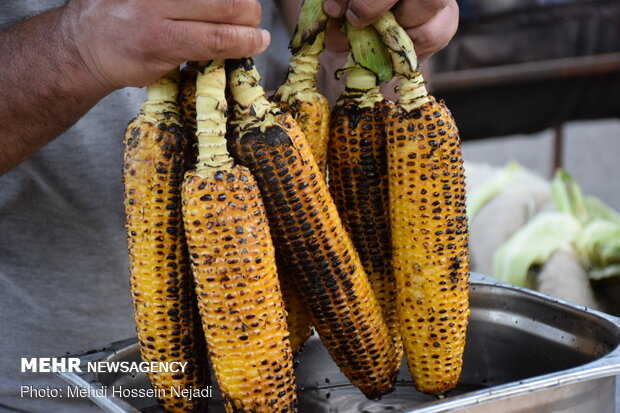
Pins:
<point x="525" y="352"/>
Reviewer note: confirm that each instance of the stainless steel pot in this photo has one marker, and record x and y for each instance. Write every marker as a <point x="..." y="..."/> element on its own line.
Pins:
<point x="526" y="352"/>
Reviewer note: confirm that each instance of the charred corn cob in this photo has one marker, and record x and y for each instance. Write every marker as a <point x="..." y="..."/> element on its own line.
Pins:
<point x="298" y="323"/>
<point x="297" y="318"/>
<point x="233" y="262"/>
<point x="187" y="96"/>
<point x="166" y="318"/>
<point x="187" y="103"/>
<point x="298" y="95"/>
<point x="359" y="185"/>
<point x="310" y="236"/>
<point x="429" y="223"/>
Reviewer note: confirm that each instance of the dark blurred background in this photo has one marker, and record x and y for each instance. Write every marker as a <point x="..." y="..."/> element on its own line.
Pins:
<point x="538" y="82"/>
<point x="520" y="66"/>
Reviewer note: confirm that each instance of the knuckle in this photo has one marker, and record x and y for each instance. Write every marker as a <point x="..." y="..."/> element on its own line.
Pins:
<point x="428" y="40"/>
<point x="168" y="33"/>
<point x="231" y="9"/>
<point x="250" y="44"/>
<point x="434" y="5"/>
<point x="165" y="40"/>
<point x="221" y="40"/>
<point x="364" y="9"/>
<point x="421" y="38"/>
<point x="241" y="11"/>
<point x="148" y="37"/>
<point x="368" y="11"/>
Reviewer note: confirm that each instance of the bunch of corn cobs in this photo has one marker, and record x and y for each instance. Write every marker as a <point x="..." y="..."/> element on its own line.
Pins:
<point x="238" y="248"/>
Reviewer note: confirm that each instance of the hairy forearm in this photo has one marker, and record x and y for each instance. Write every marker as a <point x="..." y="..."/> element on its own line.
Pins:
<point x="44" y="85"/>
<point x="57" y="65"/>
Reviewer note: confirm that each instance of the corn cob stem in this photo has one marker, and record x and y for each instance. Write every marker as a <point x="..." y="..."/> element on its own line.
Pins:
<point x="302" y="72"/>
<point x="167" y="321"/>
<point x="428" y="222"/>
<point x="298" y="94"/>
<point x="413" y="93"/>
<point x="307" y="43"/>
<point x="364" y="81"/>
<point x="361" y="88"/>
<point x="359" y="185"/>
<point x="211" y="120"/>
<point x="248" y="96"/>
<point x="311" y="238"/>
<point x="161" y="96"/>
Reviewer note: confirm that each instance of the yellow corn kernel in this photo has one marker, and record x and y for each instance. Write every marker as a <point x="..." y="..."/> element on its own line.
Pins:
<point x="358" y="182"/>
<point x="238" y="291"/>
<point x="429" y="241"/>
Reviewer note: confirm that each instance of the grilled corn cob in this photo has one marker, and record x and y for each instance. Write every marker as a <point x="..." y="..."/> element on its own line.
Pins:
<point x="297" y="318"/>
<point x="309" y="235"/>
<point x="187" y="96"/>
<point x="429" y="223"/>
<point x="166" y="318"/>
<point x="298" y="323"/>
<point x="298" y="95"/>
<point x="233" y="262"/>
<point x="358" y="183"/>
<point x="187" y="103"/>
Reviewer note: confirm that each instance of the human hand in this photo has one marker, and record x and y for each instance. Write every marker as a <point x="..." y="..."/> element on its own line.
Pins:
<point x="431" y="24"/>
<point x="135" y="42"/>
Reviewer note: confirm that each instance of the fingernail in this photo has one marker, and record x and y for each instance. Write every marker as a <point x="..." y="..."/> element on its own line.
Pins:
<point x="266" y="37"/>
<point x="332" y="8"/>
